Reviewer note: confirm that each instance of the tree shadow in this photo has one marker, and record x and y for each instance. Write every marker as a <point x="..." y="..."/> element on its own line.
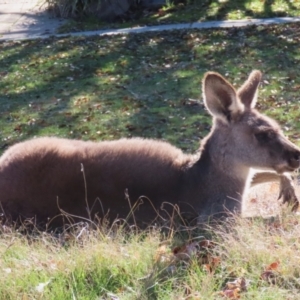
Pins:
<point x="145" y="85"/>
<point x="194" y="11"/>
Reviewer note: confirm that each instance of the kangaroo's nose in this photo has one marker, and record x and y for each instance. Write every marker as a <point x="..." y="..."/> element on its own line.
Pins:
<point x="295" y="159"/>
<point x="297" y="155"/>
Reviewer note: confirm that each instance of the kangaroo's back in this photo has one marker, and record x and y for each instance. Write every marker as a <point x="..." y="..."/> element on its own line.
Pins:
<point x="38" y="177"/>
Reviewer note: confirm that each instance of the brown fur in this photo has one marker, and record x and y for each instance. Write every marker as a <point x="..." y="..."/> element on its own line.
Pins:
<point x="39" y="175"/>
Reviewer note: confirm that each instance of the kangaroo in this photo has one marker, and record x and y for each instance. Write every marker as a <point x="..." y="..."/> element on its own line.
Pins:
<point x="41" y="177"/>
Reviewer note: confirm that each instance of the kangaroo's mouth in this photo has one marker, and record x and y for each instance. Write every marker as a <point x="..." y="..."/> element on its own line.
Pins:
<point x="282" y="168"/>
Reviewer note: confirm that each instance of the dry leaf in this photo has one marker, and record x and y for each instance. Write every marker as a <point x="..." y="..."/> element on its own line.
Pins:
<point x="207" y="244"/>
<point x="239" y="283"/>
<point x="269" y="276"/>
<point x="162" y="255"/>
<point x="187" y="251"/>
<point x="273" y="266"/>
<point x="231" y="294"/>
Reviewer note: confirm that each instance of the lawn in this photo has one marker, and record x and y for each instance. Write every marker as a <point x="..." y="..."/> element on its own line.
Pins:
<point x="141" y="85"/>
<point x="148" y="85"/>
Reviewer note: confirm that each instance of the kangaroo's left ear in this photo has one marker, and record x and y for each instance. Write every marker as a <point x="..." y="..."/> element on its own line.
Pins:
<point x="220" y="97"/>
<point x="248" y="91"/>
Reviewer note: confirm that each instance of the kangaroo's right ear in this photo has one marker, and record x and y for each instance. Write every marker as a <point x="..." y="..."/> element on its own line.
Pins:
<point x="248" y="91"/>
<point x="220" y="97"/>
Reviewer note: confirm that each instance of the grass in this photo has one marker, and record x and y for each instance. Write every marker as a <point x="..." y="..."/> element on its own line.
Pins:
<point x="83" y="268"/>
<point x="191" y="11"/>
<point x="114" y="264"/>
<point x="141" y="85"/>
<point x="146" y="85"/>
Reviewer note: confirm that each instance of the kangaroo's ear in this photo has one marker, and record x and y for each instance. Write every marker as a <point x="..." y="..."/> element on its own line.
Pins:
<point x="220" y="97"/>
<point x="248" y="91"/>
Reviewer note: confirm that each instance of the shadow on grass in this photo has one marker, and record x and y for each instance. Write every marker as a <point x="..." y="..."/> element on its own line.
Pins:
<point x="243" y="8"/>
<point x="140" y="85"/>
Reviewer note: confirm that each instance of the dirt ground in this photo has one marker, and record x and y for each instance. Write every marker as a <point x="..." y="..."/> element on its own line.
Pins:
<point x="262" y="200"/>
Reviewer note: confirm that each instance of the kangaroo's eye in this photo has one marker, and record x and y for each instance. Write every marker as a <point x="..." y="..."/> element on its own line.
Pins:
<point x="265" y="136"/>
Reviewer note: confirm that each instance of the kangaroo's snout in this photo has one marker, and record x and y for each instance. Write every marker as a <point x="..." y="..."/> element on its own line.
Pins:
<point x="294" y="159"/>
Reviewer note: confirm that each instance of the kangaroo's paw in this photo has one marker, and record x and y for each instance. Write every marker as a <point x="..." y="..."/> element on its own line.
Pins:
<point x="287" y="192"/>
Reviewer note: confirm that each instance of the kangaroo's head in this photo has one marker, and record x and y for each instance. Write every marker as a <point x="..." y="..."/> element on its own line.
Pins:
<point x="241" y="136"/>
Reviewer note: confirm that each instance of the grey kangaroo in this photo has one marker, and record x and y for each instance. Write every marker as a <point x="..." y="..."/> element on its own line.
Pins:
<point x="42" y="177"/>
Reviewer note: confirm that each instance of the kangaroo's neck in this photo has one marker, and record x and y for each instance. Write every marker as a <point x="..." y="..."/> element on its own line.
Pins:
<point x="223" y="172"/>
<point x="223" y="179"/>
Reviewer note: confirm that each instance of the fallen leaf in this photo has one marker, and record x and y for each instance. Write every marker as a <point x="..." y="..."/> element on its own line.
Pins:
<point x="269" y="276"/>
<point x="273" y="266"/>
<point x="231" y="294"/>
<point x="185" y="252"/>
<point x="239" y="283"/>
<point x="270" y="273"/>
<point x="161" y="254"/>
<point x="207" y="244"/>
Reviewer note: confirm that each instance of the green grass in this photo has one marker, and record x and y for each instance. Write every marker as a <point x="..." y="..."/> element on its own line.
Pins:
<point x="192" y="11"/>
<point x="141" y="85"/>
<point x="115" y="264"/>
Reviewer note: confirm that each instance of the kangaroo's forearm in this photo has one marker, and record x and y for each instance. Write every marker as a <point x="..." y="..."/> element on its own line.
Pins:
<point x="265" y="177"/>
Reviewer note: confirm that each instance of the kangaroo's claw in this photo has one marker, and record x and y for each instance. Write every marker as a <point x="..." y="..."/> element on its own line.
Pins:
<point x="287" y="193"/>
